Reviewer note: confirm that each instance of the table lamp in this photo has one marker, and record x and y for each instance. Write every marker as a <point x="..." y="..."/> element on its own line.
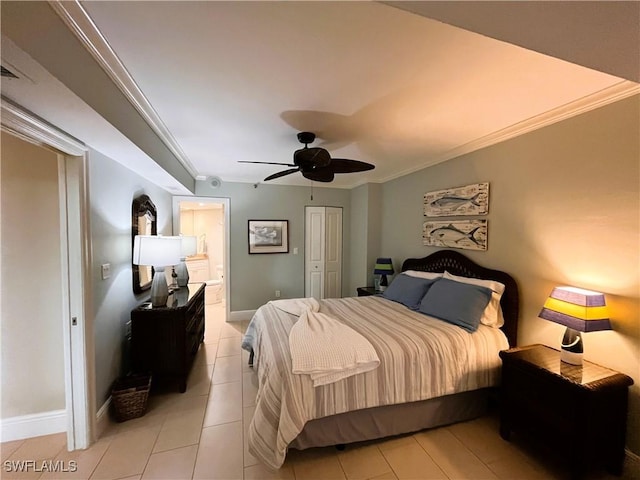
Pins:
<point x="580" y="311"/>
<point x="189" y="246"/>
<point x="159" y="252"/>
<point x="383" y="268"/>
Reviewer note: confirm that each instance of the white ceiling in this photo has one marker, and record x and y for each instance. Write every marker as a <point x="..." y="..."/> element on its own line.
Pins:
<point x="230" y="81"/>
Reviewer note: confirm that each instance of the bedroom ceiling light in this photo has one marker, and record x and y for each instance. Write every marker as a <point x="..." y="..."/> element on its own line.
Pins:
<point x="159" y="252"/>
<point x="580" y="311"/>
<point x="188" y="247"/>
<point x="383" y="267"/>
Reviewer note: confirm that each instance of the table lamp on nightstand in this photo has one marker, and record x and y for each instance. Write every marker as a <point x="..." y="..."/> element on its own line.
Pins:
<point x="383" y="267"/>
<point x="580" y="311"/>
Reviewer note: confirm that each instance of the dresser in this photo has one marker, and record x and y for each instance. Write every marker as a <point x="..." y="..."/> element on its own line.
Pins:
<point x="165" y="340"/>
<point x="579" y="411"/>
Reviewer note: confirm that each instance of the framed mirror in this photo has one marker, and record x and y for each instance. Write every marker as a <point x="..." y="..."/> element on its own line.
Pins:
<point x="143" y="222"/>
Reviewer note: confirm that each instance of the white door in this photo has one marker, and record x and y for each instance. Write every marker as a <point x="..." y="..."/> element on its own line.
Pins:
<point x="314" y="252"/>
<point x="333" y="253"/>
<point x="323" y="252"/>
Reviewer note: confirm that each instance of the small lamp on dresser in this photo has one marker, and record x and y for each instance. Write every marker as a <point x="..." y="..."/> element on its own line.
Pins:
<point x="159" y="252"/>
<point x="189" y="246"/>
<point x="580" y="311"/>
<point x="383" y="267"/>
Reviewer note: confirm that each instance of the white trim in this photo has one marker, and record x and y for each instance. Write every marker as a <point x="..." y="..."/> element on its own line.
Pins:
<point x="241" y="315"/>
<point x="80" y="23"/>
<point x="596" y="100"/>
<point x="226" y="267"/>
<point x="75" y="272"/>
<point x="102" y="418"/>
<point x="32" y="129"/>
<point x="34" y="425"/>
<point x="78" y="343"/>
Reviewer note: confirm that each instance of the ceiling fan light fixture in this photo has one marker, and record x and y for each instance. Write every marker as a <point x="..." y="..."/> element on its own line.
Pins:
<point x="315" y="163"/>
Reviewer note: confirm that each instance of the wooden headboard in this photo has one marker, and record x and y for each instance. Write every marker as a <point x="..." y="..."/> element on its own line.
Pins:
<point x="457" y="264"/>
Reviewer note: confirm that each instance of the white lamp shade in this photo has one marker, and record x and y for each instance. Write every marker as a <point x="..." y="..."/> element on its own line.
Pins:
<point x="156" y="250"/>
<point x="189" y="245"/>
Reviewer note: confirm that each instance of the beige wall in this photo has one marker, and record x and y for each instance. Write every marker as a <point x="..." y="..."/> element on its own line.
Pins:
<point x="564" y="209"/>
<point x="32" y="352"/>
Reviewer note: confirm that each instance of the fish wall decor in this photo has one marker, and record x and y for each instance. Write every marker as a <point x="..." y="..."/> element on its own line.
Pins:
<point x="467" y="200"/>
<point x="465" y="234"/>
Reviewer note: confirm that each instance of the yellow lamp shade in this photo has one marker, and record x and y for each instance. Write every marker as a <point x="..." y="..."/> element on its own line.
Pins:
<point x="577" y="308"/>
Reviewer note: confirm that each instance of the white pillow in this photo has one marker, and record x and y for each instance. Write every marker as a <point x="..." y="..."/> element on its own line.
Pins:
<point x="427" y="275"/>
<point x="492" y="315"/>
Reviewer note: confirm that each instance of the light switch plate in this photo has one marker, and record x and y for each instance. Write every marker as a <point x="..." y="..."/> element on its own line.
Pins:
<point x="106" y="270"/>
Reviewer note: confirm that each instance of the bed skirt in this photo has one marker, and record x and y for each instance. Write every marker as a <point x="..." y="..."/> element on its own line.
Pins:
<point x="390" y="420"/>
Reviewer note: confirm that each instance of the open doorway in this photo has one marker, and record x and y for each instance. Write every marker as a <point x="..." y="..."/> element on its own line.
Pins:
<point x="207" y="219"/>
<point x="66" y="263"/>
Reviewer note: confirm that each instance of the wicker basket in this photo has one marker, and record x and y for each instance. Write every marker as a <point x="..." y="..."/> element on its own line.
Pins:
<point x="129" y="396"/>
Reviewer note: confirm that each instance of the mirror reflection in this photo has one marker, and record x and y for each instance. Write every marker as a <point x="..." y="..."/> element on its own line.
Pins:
<point x="143" y="222"/>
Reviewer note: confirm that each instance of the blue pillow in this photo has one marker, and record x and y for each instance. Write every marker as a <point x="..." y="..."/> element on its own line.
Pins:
<point x="408" y="290"/>
<point x="458" y="303"/>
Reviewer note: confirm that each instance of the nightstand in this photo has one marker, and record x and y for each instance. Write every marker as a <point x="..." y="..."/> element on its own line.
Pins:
<point x="579" y="411"/>
<point x="366" y="291"/>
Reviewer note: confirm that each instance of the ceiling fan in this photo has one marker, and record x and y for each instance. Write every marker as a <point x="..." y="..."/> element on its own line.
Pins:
<point x="315" y="163"/>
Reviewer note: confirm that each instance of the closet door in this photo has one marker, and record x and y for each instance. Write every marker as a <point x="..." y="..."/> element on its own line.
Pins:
<point x="333" y="253"/>
<point x="314" y="252"/>
<point x="323" y="252"/>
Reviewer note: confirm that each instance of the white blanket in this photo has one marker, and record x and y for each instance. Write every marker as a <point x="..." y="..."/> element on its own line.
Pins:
<point x="296" y="306"/>
<point x="328" y="350"/>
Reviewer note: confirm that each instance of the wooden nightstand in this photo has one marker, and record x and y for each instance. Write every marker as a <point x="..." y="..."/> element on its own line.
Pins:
<point x="365" y="291"/>
<point x="579" y="411"/>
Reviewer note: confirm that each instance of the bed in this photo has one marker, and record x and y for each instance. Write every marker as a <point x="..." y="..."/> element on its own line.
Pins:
<point x="431" y="372"/>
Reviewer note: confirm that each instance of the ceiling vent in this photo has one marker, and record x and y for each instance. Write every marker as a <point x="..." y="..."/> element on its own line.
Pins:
<point x="7" y="73"/>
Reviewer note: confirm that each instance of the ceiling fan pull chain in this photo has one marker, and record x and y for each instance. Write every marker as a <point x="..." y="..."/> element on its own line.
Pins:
<point x="311" y="191"/>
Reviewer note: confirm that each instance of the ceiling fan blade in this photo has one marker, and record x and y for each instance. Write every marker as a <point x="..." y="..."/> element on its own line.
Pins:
<point x="281" y="174"/>
<point x="320" y="175"/>
<point x="343" y="165"/>
<point x="268" y="163"/>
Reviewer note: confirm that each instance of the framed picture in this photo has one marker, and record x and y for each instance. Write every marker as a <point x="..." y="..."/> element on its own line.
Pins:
<point x="467" y="200"/>
<point x="465" y="234"/>
<point x="268" y="236"/>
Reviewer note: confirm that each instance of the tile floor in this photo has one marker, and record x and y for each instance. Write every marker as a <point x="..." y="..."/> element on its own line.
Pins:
<point x="201" y="435"/>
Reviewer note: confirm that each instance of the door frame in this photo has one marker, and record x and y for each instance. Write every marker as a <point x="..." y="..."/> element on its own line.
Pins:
<point x="75" y="275"/>
<point x="226" y="267"/>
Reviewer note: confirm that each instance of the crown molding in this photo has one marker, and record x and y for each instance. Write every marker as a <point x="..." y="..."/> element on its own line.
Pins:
<point x="614" y="93"/>
<point x="28" y="127"/>
<point x="80" y="23"/>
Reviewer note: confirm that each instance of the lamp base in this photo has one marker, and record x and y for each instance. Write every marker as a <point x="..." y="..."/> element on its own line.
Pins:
<point x="572" y="347"/>
<point x="183" y="273"/>
<point x="159" y="288"/>
<point x="384" y="283"/>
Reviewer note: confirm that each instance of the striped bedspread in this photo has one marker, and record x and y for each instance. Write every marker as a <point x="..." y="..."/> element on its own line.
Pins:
<point x="420" y="358"/>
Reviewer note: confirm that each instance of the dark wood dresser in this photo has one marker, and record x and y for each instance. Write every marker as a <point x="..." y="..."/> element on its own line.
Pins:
<point x="578" y="411"/>
<point x="165" y="340"/>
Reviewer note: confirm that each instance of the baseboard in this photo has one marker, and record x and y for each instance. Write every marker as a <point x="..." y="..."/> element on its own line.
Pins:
<point x="102" y="418"/>
<point x="241" y="315"/>
<point x="34" y="425"/>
